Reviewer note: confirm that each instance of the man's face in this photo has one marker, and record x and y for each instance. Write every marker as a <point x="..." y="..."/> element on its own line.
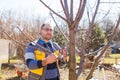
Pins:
<point x="47" y="32"/>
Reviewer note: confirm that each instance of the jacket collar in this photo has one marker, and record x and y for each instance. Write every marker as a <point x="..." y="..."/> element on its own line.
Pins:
<point x="42" y="42"/>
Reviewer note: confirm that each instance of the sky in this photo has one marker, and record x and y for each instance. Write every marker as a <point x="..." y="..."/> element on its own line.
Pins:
<point x="35" y="8"/>
<point x="24" y="6"/>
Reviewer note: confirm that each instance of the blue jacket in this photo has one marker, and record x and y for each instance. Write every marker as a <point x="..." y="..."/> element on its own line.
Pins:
<point x="52" y="72"/>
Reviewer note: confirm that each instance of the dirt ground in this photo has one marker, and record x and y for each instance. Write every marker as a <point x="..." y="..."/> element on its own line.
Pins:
<point x="9" y="73"/>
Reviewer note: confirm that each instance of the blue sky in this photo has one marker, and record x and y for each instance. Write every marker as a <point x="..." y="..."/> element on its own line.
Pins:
<point x="34" y="7"/>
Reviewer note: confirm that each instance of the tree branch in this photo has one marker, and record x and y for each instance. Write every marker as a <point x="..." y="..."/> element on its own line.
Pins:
<point x="85" y="43"/>
<point x="63" y="33"/>
<point x="88" y="16"/>
<point x="79" y="13"/>
<point x="65" y="10"/>
<point x="53" y="10"/>
<point x="40" y="47"/>
<point x="95" y="12"/>
<point x="102" y="51"/>
<point x="71" y="11"/>
<point x="59" y="28"/>
<point x="92" y="22"/>
<point x="66" y="7"/>
<point x="31" y="38"/>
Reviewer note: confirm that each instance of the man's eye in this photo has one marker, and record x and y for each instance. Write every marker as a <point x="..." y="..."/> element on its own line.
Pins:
<point x="47" y="29"/>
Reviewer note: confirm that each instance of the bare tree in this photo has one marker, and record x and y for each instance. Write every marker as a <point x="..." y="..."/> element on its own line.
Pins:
<point x="73" y="25"/>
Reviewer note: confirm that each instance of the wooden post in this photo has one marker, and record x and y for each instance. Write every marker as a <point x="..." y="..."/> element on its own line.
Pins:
<point x="96" y="74"/>
<point x="104" y="74"/>
<point x="115" y="60"/>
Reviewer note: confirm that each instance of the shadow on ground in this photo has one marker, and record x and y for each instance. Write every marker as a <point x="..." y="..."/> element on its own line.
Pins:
<point x="16" y="78"/>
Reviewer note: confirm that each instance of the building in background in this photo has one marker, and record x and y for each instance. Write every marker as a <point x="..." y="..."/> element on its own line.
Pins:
<point x="7" y="50"/>
<point x="115" y="45"/>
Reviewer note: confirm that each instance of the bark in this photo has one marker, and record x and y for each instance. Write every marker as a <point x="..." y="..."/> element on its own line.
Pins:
<point x="72" y="61"/>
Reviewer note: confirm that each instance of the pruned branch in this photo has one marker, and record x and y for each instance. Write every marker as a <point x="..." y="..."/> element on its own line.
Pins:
<point x="59" y="28"/>
<point x="30" y="39"/>
<point x="40" y="47"/>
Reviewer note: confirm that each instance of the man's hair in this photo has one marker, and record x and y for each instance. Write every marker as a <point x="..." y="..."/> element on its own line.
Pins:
<point x="42" y="26"/>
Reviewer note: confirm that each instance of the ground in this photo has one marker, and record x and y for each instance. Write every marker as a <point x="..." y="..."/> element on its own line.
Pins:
<point x="9" y="73"/>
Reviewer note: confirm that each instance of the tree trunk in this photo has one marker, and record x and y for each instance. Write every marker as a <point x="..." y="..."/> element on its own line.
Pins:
<point x="72" y="61"/>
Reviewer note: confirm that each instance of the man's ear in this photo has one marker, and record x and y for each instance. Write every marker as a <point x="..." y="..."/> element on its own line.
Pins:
<point x="40" y="32"/>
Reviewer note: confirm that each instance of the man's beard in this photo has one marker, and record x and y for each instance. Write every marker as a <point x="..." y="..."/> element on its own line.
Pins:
<point x="48" y="38"/>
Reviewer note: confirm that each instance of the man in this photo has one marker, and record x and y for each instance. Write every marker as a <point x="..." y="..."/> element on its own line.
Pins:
<point x="44" y="66"/>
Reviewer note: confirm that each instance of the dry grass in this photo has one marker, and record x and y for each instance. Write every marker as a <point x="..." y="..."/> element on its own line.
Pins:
<point x="8" y="73"/>
<point x="109" y="75"/>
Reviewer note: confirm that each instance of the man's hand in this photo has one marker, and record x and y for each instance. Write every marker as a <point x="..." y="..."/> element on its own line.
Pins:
<point x="57" y="53"/>
<point x="48" y="60"/>
<point x="64" y="53"/>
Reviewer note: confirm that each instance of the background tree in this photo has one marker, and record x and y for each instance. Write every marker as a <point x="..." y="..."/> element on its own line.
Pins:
<point x="59" y="38"/>
<point x="97" y="38"/>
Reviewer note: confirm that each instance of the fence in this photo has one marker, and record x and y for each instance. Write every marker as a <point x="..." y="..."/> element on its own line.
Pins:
<point x="111" y="60"/>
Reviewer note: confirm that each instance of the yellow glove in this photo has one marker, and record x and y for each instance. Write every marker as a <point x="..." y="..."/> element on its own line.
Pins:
<point x="57" y="53"/>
